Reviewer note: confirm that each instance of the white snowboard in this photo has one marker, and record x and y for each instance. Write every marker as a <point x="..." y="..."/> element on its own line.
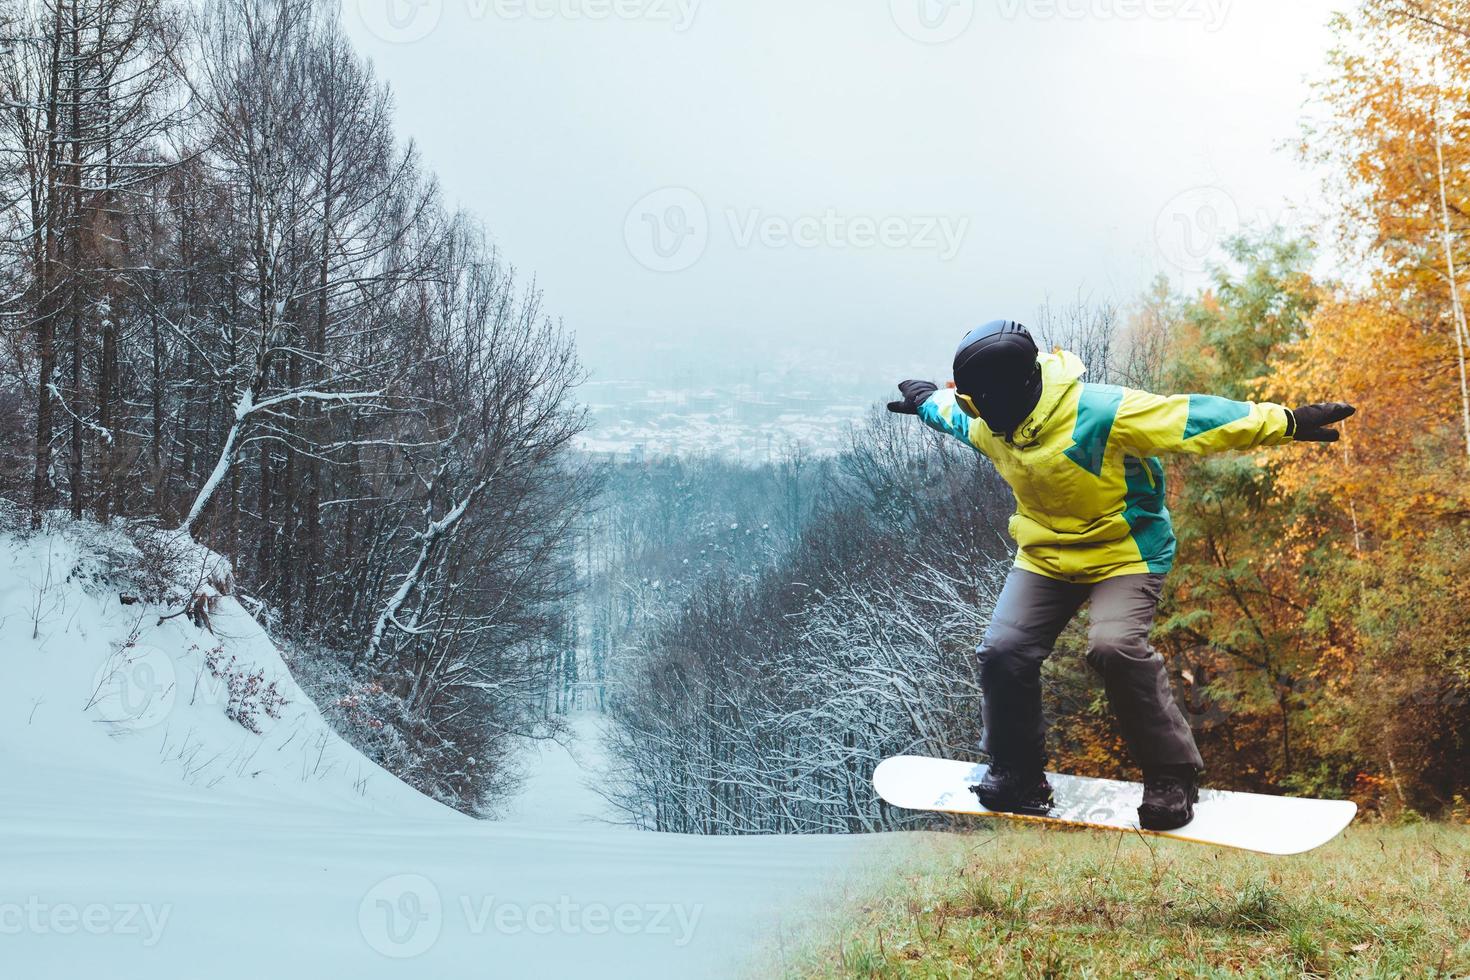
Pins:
<point x="1248" y="821"/>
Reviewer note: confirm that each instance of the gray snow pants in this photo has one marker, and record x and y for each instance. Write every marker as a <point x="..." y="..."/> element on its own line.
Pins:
<point x="1031" y="612"/>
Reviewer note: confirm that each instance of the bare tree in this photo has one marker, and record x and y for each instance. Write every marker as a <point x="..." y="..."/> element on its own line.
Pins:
<point x="86" y="98"/>
<point x="323" y="206"/>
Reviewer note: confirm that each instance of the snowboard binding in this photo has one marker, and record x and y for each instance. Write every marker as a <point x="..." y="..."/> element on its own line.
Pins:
<point x="1007" y="790"/>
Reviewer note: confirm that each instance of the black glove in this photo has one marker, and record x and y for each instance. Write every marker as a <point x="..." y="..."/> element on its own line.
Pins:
<point x="1309" y="423"/>
<point x="914" y="395"/>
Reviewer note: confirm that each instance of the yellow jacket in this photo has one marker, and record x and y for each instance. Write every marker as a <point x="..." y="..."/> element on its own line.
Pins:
<point x="1089" y="488"/>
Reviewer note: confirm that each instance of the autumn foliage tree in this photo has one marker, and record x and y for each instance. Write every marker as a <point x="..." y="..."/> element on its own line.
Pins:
<point x="1319" y="625"/>
<point x="1399" y="137"/>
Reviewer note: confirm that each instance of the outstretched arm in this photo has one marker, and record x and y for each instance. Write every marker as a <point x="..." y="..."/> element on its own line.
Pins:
<point x="1148" y="424"/>
<point x="936" y="407"/>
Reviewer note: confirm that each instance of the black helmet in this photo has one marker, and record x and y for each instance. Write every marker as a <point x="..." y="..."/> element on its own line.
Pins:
<point x="997" y="375"/>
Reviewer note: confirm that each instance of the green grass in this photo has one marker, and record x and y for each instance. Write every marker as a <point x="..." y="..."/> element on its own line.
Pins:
<point x="1008" y="900"/>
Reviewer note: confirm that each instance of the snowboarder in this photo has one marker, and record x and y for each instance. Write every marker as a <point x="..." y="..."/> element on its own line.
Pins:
<point x="1090" y="523"/>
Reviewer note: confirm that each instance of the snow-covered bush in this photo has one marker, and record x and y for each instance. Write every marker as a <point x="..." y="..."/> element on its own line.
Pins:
<point x="144" y="564"/>
<point x="249" y="695"/>
<point x="467" y="768"/>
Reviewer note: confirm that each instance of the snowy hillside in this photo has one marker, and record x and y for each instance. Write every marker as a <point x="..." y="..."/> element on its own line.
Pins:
<point x="149" y="832"/>
<point x="97" y="677"/>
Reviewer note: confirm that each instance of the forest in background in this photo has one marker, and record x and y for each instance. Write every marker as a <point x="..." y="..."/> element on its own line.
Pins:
<point x="235" y="304"/>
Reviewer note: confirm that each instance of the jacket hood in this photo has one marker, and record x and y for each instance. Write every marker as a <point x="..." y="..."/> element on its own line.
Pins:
<point x="1060" y="370"/>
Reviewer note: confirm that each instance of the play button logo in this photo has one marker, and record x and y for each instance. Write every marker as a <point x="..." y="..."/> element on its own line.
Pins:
<point x="401" y="916"/>
<point x="932" y="21"/>
<point x="400" y="21"/>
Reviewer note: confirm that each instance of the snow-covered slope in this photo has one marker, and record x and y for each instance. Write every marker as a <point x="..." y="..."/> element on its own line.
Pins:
<point x="93" y="684"/>
<point x="560" y="790"/>
<point x="146" y="833"/>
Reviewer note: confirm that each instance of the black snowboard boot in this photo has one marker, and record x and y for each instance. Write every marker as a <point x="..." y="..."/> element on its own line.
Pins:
<point x="1010" y="790"/>
<point x="1169" y="796"/>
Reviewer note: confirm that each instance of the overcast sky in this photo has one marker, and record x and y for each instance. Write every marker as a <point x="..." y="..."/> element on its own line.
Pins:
<point x="727" y="180"/>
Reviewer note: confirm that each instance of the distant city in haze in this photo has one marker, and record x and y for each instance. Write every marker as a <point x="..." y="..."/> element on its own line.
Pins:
<point x="667" y="404"/>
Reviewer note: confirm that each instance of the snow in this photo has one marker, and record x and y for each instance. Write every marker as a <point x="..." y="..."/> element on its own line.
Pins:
<point x="561" y="790"/>
<point x="147" y="834"/>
